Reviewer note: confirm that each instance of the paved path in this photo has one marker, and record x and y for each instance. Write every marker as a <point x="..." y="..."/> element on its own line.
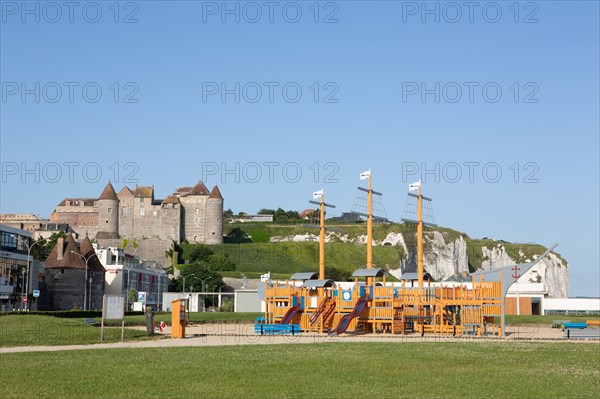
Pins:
<point x="243" y="334"/>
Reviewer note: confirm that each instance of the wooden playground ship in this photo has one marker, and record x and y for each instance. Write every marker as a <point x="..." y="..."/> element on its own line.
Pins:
<point x="308" y="302"/>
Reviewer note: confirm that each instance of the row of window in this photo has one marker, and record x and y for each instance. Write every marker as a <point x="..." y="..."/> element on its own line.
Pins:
<point x="14" y="241"/>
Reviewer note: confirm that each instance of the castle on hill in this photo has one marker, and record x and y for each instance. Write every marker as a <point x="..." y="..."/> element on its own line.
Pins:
<point x="193" y="213"/>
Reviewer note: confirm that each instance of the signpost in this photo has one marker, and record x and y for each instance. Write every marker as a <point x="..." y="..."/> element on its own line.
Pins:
<point x="113" y="308"/>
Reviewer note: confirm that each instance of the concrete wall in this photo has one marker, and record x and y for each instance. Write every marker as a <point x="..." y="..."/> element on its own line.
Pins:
<point x="573" y="305"/>
<point x="247" y="301"/>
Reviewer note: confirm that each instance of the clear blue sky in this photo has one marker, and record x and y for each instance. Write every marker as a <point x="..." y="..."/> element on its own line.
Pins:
<point x="371" y="61"/>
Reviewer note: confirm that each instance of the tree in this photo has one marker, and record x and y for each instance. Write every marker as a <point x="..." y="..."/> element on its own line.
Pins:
<point x="237" y="236"/>
<point x="132" y="296"/>
<point x="228" y="214"/>
<point x="337" y="274"/>
<point x="195" y="274"/>
<point x="265" y="211"/>
<point x="42" y="250"/>
<point x="199" y="252"/>
<point x="222" y="263"/>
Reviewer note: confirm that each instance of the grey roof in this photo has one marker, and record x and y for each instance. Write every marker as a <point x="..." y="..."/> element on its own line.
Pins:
<point x="318" y="283"/>
<point x="413" y="276"/>
<point x="304" y="276"/>
<point x="369" y="273"/>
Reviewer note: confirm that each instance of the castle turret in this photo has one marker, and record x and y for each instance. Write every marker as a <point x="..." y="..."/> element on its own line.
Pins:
<point x="108" y="213"/>
<point x="214" y="217"/>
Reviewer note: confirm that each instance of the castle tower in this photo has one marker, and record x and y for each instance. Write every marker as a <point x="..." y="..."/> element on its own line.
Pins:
<point x="108" y="213"/>
<point x="194" y="202"/>
<point x="214" y="217"/>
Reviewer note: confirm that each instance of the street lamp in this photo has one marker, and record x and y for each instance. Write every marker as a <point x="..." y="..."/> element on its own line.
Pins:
<point x="184" y="277"/>
<point x="128" y="280"/>
<point x="203" y="296"/>
<point x="26" y="288"/>
<point x="86" y="259"/>
<point x="158" y="300"/>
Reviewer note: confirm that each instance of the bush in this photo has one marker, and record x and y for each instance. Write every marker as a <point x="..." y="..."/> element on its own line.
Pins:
<point x="221" y="263"/>
<point x="227" y="305"/>
<point x="237" y="236"/>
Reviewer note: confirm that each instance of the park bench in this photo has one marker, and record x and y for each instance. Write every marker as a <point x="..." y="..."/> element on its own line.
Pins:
<point x="277" y="329"/>
<point x="91" y="322"/>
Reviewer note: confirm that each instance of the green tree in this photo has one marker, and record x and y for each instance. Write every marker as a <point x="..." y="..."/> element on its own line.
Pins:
<point x="337" y="274"/>
<point x="44" y="247"/>
<point x="237" y="236"/>
<point x="218" y="262"/>
<point x="228" y="214"/>
<point x="196" y="274"/>
<point x="265" y="211"/>
<point x="199" y="252"/>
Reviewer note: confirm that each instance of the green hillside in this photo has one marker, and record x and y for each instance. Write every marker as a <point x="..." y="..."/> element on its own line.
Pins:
<point x="287" y="257"/>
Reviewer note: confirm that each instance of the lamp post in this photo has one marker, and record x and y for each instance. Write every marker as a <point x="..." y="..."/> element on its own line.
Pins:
<point x="158" y="300"/>
<point x="128" y="280"/>
<point x="90" y="288"/>
<point x="86" y="260"/>
<point x="203" y="296"/>
<point x="29" y="246"/>
<point x="184" y="277"/>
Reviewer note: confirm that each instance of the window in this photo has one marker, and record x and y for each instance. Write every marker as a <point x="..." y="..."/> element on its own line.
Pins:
<point x="109" y="210"/>
<point x="124" y="211"/>
<point x="142" y="213"/>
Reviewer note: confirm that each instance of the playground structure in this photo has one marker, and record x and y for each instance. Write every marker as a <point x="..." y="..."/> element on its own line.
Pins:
<point x="370" y="304"/>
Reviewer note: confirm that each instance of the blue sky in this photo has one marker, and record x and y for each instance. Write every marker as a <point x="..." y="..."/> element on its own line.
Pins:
<point x="161" y="119"/>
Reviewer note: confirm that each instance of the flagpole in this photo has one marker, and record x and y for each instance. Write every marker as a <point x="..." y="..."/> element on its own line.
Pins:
<point x="322" y="239"/>
<point x="420" y="237"/>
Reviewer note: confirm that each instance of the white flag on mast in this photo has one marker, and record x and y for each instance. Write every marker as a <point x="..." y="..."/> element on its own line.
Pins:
<point x="414" y="186"/>
<point x="318" y="194"/>
<point x="365" y="175"/>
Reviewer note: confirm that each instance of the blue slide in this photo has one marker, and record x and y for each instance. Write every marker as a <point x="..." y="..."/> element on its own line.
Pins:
<point x="360" y="307"/>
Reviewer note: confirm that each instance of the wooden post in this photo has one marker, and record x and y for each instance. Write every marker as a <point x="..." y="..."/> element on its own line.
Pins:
<point x="420" y="237"/>
<point x="322" y="240"/>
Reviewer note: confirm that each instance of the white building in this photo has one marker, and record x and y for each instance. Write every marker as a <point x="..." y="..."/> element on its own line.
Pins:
<point x="125" y="271"/>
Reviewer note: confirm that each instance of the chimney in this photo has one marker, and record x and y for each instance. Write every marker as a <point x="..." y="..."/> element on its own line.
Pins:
<point x="60" y="245"/>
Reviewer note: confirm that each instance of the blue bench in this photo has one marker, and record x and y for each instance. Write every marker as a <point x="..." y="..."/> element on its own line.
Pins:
<point x="575" y="325"/>
<point x="277" y="329"/>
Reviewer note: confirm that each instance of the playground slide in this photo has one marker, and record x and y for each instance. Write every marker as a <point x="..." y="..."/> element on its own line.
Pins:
<point x="290" y="315"/>
<point x="360" y="307"/>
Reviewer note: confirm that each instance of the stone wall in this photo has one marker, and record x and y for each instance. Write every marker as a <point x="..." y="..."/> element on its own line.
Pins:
<point x="64" y="289"/>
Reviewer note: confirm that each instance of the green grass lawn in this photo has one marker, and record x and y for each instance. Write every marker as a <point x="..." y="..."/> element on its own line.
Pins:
<point x="26" y="330"/>
<point x="47" y="330"/>
<point x="196" y="317"/>
<point x="285" y="258"/>
<point x="325" y="370"/>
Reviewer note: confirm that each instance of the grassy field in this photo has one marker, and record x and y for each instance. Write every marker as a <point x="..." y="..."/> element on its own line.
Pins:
<point x="21" y="330"/>
<point x="333" y="370"/>
<point x="200" y="317"/>
<point x="286" y="258"/>
<point x="46" y="330"/>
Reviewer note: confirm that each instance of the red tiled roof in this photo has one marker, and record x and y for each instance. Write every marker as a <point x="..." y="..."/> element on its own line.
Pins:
<point x="125" y="192"/>
<point x="171" y="199"/>
<point x="72" y="260"/>
<point x="199" y="189"/>
<point x="108" y="193"/>
<point x="216" y="193"/>
<point x="144" y="191"/>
